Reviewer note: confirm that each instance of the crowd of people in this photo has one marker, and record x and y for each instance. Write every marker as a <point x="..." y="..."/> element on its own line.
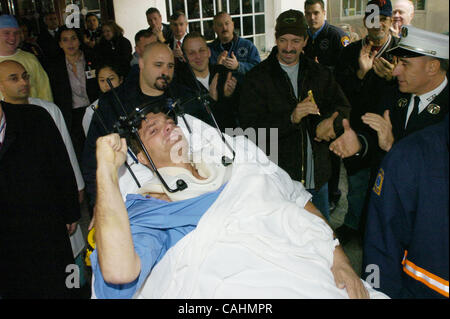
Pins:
<point x="332" y="98"/>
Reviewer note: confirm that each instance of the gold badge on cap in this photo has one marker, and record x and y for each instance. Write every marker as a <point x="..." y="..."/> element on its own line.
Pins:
<point x="433" y="109"/>
<point x="402" y="103"/>
<point x="290" y="20"/>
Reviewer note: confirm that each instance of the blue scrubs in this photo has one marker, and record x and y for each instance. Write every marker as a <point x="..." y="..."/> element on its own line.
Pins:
<point x="156" y="226"/>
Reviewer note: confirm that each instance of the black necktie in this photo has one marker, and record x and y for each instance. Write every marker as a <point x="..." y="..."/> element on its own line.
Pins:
<point x="413" y="118"/>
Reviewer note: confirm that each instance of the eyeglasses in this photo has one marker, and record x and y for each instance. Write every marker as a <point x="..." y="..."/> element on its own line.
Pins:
<point x="15" y="78"/>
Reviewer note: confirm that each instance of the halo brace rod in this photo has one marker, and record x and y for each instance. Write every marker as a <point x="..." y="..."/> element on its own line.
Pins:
<point x="127" y="126"/>
<point x="202" y="98"/>
<point x="94" y="108"/>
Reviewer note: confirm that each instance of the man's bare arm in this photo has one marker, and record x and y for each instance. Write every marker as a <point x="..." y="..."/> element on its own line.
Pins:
<point x="118" y="260"/>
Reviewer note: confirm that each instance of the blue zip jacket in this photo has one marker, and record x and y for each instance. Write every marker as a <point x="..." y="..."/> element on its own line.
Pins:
<point x="244" y="50"/>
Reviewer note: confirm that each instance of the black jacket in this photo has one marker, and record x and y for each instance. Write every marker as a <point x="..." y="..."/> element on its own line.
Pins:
<point x="38" y="197"/>
<point x="61" y="89"/>
<point x="117" y="51"/>
<point x="49" y="46"/>
<point x="364" y="95"/>
<point x="267" y="101"/>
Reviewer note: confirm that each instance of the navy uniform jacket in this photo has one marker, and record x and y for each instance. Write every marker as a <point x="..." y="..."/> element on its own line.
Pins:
<point x="407" y="229"/>
<point x="397" y="104"/>
<point x="328" y="45"/>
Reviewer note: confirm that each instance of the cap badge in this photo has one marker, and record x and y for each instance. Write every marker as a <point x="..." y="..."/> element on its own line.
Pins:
<point x="433" y="109"/>
<point x="402" y="103"/>
<point x="289" y="20"/>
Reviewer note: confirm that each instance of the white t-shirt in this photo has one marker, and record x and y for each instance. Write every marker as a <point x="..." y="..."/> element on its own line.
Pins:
<point x="204" y="81"/>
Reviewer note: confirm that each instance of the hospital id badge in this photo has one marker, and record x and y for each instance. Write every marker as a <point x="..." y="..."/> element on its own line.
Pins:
<point x="90" y="74"/>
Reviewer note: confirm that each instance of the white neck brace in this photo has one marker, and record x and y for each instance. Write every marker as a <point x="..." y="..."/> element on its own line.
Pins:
<point x="215" y="173"/>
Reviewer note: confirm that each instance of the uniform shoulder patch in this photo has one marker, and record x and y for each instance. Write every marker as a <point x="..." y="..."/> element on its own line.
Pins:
<point x="345" y="40"/>
<point x="379" y="182"/>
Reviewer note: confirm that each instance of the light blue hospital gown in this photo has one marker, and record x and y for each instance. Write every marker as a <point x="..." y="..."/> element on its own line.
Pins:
<point x="156" y="226"/>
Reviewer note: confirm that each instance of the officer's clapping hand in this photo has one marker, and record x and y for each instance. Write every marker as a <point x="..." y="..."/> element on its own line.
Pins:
<point x="348" y="143"/>
<point x="304" y="108"/>
<point x="383" y="68"/>
<point x="366" y="60"/>
<point x="325" y="129"/>
<point x="383" y="126"/>
<point x="111" y="152"/>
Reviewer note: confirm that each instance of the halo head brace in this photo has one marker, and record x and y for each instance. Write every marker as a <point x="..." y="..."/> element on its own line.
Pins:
<point x="128" y="127"/>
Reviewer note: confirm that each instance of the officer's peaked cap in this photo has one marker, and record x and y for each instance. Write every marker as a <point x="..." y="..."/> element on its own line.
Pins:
<point x="417" y="42"/>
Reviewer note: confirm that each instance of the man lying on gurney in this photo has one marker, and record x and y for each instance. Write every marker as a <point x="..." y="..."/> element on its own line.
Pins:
<point x="236" y="231"/>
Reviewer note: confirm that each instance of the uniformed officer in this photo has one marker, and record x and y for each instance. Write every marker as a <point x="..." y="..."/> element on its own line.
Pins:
<point x="406" y="245"/>
<point x="420" y="100"/>
<point x="325" y="41"/>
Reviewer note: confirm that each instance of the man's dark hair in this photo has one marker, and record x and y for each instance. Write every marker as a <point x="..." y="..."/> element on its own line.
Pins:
<point x="145" y="33"/>
<point x="152" y="10"/>
<point x="313" y="2"/>
<point x="155" y="107"/>
<point x="91" y="14"/>
<point x="176" y="15"/>
<point x="192" y="35"/>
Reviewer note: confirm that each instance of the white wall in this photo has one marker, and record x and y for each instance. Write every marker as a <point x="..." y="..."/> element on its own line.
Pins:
<point x="130" y="15"/>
